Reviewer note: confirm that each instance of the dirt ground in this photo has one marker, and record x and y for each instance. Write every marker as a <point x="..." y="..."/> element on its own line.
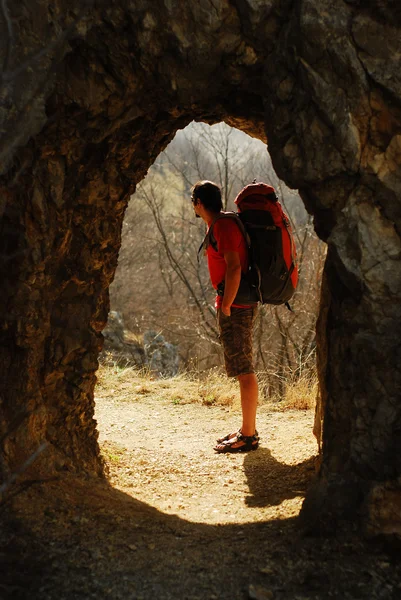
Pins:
<point x="176" y="521"/>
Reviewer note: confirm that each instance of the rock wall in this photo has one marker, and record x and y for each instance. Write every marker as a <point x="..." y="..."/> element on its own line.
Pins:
<point x="335" y="133"/>
<point x="90" y="94"/>
<point x="152" y="351"/>
<point x="120" y="347"/>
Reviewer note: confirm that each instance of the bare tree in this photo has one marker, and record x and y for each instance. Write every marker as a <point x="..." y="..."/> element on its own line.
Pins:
<point x="176" y="295"/>
<point x="218" y="153"/>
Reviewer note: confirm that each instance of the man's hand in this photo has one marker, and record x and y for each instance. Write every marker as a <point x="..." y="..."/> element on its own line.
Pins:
<point x="226" y="310"/>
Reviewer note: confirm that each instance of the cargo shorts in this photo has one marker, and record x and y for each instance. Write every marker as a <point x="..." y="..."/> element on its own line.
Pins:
<point x="236" y="333"/>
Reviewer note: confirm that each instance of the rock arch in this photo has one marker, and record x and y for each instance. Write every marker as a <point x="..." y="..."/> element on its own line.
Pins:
<point x="91" y="92"/>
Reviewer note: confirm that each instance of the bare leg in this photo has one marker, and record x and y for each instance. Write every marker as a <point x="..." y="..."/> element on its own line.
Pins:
<point x="249" y="401"/>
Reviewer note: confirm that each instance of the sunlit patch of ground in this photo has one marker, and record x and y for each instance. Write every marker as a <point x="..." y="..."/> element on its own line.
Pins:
<point x="158" y="441"/>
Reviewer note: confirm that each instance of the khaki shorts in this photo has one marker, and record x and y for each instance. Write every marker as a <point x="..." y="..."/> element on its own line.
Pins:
<point x="236" y="338"/>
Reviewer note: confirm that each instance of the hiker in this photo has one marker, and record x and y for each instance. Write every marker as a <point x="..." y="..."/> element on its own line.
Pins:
<point x="235" y="320"/>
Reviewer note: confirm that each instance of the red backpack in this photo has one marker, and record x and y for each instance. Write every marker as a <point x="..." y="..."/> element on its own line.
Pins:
<point x="272" y="275"/>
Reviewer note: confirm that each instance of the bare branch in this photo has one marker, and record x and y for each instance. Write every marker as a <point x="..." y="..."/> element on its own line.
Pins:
<point x="284" y="341"/>
<point x="175" y="264"/>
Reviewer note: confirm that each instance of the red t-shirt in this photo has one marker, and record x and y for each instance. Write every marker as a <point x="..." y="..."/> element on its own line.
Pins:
<point x="229" y="238"/>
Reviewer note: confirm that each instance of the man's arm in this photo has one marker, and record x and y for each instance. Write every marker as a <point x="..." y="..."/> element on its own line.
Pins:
<point x="232" y="280"/>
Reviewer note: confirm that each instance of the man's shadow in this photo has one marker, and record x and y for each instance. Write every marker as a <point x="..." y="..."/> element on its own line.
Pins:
<point x="270" y="482"/>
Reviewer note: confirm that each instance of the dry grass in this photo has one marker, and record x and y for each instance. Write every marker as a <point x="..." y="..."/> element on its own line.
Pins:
<point x="218" y="389"/>
<point x="212" y="388"/>
<point x="129" y="383"/>
<point x="301" y="394"/>
<point x="298" y="394"/>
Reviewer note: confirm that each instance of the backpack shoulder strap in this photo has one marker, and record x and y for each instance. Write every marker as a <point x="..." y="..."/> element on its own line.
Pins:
<point x="210" y="240"/>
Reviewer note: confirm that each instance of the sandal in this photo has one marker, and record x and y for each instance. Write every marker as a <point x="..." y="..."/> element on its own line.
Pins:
<point x="250" y="442"/>
<point x="229" y="436"/>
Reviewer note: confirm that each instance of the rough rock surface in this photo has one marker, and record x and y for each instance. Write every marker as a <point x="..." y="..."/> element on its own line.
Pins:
<point x="117" y="346"/>
<point x="92" y="91"/>
<point x="160" y="356"/>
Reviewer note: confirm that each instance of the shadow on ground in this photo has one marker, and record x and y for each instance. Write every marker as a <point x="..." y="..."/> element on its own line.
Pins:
<point x="81" y="539"/>
<point x="270" y="482"/>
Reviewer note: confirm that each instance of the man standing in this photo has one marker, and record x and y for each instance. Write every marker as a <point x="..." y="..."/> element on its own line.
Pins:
<point x="226" y="261"/>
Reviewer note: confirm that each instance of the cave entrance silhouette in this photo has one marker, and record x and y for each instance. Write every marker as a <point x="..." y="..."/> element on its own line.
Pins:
<point x="92" y="94"/>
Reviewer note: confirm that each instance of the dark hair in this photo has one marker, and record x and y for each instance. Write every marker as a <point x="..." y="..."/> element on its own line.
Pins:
<point x="209" y="194"/>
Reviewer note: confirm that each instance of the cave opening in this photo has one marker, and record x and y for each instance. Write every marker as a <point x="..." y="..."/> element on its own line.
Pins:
<point x="160" y="287"/>
<point x="90" y="100"/>
<point x="161" y="368"/>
